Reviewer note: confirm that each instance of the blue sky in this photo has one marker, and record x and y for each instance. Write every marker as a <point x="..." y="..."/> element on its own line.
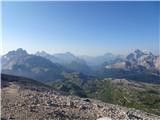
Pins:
<point x="83" y="28"/>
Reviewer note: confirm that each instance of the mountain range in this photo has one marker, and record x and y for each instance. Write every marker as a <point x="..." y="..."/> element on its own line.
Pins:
<point x="131" y="81"/>
<point x="68" y="60"/>
<point x="138" y="65"/>
<point x="136" y="60"/>
<point x="21" y="63"/>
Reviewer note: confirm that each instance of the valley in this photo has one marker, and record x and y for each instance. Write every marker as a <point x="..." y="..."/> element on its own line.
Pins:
<point x="131" y="81"/>
<point x="27" y="99"/>
<point x="80" y="60"/>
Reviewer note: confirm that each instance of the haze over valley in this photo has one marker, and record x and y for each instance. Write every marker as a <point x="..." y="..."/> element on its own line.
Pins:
<point x="111" y="72"/>
<point x="134" y="74"/>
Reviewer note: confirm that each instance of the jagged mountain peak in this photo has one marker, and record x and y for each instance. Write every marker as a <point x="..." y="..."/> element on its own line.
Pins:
<point x="66" y="54"/>
<point x="138" y="59"/>
<point x="135" y="54"/>
<point x="21" y="63"/>
<point x="42" y="53"/>
<point x="18" y="52"/>
<point x="21" y="51"/>
<point x="138" y="51"/>
<point x="68" y="57"/>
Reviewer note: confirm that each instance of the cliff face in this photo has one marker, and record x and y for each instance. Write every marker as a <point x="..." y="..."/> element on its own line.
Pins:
<point x="25" y="99"/>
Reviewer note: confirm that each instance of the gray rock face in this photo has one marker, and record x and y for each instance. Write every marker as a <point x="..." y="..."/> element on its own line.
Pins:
<point x="105" y="118"/>
<point x="137" y="60"/>
<point x="157" y="63"/>
<point x="21" y="102"/>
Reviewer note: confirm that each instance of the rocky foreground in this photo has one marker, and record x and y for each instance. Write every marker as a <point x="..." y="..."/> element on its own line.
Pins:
<point x="25" y="99"/>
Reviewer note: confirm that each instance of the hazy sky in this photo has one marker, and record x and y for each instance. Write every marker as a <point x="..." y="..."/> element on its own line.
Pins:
<point x="83" y="28"/>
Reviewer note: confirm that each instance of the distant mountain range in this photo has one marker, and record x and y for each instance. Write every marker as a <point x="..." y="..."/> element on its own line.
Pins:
<point x="138" y="65"/>
<point x="61" y="58"/>
<point x="136" y="60"/>
<point x="21" y="63"/>
<point x="96" y="62"/>
<point x="131" y="81"/>
<point x="68" y="60"/>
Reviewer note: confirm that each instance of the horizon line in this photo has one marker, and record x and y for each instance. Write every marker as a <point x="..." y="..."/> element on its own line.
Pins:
<point x="53" y="53"/>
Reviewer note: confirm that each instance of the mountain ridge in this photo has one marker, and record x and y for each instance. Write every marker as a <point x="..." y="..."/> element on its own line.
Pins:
<point x="67" y="60"/>
<point x="135" y="65"/>
<point x="32" y="66"/>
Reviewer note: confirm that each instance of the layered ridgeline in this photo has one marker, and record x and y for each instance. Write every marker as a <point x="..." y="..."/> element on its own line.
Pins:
<point x="26" y="99"/>
<point x="138" y="65"/>
<point x="131" y="81"/>
<point x="69" y="61"/>
<point x="21" y="63"/>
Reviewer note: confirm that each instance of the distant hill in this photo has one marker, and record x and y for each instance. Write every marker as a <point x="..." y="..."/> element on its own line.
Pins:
<point x="69" y="61"/>
<point x="97" y="61"/>
<point x="61" y="58"/>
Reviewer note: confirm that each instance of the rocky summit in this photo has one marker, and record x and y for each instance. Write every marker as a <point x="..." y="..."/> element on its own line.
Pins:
<point x="26" y="99"/>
